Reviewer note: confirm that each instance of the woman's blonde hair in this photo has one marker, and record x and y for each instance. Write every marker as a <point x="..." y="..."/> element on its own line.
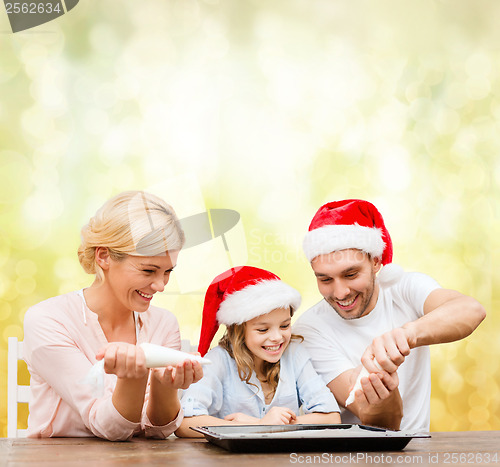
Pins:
<point x="131" y="223"/>
<point x="233" y="341"/>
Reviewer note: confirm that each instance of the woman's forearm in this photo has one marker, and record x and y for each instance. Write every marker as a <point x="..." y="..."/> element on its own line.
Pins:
<point x="128" y="397"/>
<point x="163" y="403"/>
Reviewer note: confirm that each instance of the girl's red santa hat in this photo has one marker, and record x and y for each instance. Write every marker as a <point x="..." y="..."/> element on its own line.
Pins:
<point x="241" y="294"/>
<point x="352" y="223"/>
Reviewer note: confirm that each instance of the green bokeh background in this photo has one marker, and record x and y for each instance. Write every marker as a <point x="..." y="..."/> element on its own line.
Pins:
<point x="274" y="107"/>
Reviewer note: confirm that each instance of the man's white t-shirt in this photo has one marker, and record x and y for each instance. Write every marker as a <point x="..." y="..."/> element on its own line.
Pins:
<point x="336" y="344"/>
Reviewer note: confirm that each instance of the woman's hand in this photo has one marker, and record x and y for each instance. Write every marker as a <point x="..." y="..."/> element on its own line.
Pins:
<point x="123" y="360"/>
<point x="180" y="376"/>
<point x="279" y="416"/>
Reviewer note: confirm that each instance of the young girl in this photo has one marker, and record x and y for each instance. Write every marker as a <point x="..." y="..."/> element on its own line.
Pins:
<point x="131" y="246"/>
<point x="260" y="374"/>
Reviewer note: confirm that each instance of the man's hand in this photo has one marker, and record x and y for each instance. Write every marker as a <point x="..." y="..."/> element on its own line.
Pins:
<point x="379" y="402"/>
<point x="376" y="388"/>
<point x="389" y="350"/>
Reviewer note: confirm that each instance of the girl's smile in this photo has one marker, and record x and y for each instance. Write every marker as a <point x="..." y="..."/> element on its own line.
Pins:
<point x="267" y="336"/>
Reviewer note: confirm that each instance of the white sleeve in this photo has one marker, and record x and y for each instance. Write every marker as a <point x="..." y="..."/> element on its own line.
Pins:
<point x="325" y="357"/>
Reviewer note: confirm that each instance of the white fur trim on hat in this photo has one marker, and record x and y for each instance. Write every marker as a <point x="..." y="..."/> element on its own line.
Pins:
<point x="331" y="238"/>
<point x="256" y="300"/>
<point x="390" y="274"/>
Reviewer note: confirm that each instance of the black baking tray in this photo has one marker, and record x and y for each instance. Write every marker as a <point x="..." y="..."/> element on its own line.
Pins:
<point x="299" y="438"/>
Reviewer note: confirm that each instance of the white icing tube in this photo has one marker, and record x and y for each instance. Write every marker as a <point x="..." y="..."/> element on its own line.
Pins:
<point x="158" y="356"/>
<point x="357" y="385"/>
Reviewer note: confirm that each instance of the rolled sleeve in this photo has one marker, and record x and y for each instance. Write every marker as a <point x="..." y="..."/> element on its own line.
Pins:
<point x="328" y="362"/>
<point x="162" y="432"/>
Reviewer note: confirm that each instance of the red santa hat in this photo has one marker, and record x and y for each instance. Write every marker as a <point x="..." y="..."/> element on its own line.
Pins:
<point x="352" y="223"/>
<point x="239" y="295"/>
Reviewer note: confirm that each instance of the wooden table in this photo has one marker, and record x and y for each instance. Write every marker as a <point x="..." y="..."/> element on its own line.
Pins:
<point x="453" y="448"/>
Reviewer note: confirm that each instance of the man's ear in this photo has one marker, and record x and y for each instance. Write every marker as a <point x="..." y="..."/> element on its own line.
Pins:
<point x="102" y="257"/>
<point x="377" y="264"/>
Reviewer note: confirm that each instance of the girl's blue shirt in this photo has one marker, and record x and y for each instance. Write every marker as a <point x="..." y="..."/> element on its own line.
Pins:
<point x="221" y="391"/>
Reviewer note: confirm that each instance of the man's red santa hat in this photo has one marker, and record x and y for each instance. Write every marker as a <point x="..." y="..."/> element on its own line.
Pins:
<point x="352" y="223"/>
<point x="241" y="294"/>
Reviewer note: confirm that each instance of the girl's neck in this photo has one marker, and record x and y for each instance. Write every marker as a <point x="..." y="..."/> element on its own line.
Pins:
<point x="258" y="367"/>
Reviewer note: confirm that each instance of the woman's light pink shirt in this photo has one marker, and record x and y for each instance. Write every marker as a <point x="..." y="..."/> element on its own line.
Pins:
<point x="61" y="338"/>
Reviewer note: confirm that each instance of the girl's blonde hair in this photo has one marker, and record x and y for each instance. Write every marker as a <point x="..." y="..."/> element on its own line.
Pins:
<point x="233" y="341"/>
<point x="131" y="223"/>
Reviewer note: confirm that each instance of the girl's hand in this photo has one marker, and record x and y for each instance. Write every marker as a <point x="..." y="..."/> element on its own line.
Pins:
<point x="180" y="376"/>
<point x="242" y="418"/>
<point x="123" y="360"/>
<point x="279" y="416"/>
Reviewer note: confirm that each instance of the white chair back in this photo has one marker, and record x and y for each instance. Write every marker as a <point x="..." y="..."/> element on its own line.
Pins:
<point x="16" y="393"/>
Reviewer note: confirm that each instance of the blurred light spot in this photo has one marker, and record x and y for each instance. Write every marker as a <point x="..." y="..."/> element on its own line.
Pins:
<point x="475" y="377"/>
<point x="451" y="184"/>
<point x="417" y="90"/>
<point x="478" y="64"/>
<point x="7" y="289"/>
<point x="123" y="177"/>
<point x="478" y="87"/>
<point x="474" y="257"/>
<point x="44" y="205"/>
<point x="215" y="46"/>
<point x="47" y="93"/>
<point x="104" y="41"/>
<point x="26" y="267"/>
<point x="464" y="145"/>
<point x="45" y="174"/>
<point x="477" y="399"/>
<point x="16" y="177"/>
<point x="451" y="380"/>
<point x="5" y="310"/>
<point x="66" y="267"/>
<point x="393" y="167"/>
<point x="4" y="249"/>
<point x="447" y="122"/>
<point x="13" y="330"/>
<point x="25" y="285"/>
<point x="421" y="108"/>
<point x="455" y="95"/>
<point x="474" y="175"/>
<point x="104" y="96"/>
<point x="440" y="412"/>
<point x="96" y="121"/>
<point x="479" y="415"/>
<point x="35" y="123"/>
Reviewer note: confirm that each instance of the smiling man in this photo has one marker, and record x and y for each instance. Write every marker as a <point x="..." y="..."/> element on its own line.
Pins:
<point x="376" y="315"/>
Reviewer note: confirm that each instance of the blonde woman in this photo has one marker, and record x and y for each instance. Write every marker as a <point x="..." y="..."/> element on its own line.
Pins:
<point x="261" y="374"/>
<point x="130" y="246"/>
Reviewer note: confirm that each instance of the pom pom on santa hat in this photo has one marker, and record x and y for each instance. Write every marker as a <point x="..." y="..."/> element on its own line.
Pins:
<point x="241" y="294"/>
<point x="352" y="223"/>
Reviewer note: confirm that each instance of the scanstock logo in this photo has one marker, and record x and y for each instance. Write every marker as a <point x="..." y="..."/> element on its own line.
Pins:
<point x="28" y="14"/>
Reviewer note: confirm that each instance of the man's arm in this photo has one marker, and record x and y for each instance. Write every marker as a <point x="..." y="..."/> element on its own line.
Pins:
<point x="378" y="403"/>
<point x="448" y="316"/>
